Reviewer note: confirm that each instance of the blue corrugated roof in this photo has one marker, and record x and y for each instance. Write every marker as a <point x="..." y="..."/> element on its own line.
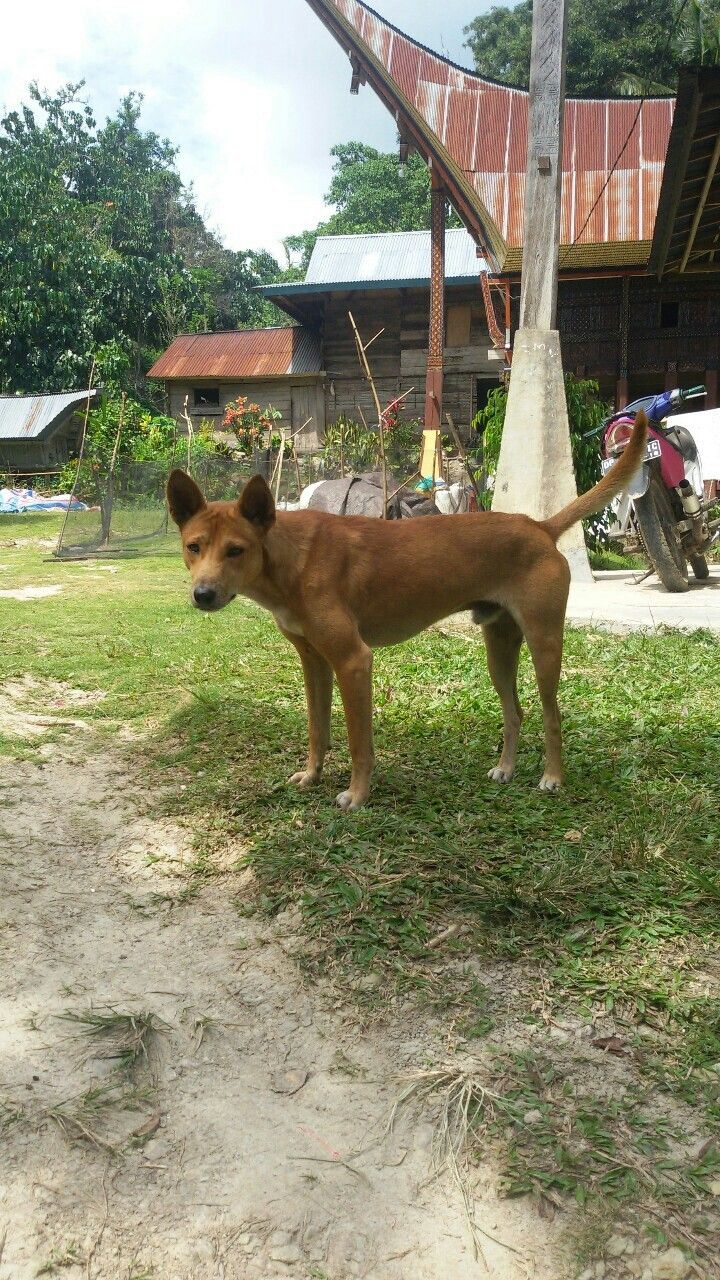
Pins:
<point x="390" y="255"/>
<point x="28" y="417"/>
<point x="383" y="260"/>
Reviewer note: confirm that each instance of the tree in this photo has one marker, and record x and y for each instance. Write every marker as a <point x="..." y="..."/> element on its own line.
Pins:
<point x="371" y="191"/>
<point x="227" y="278"/>
<point x="613" y="45"/>
<point x="102" y="253"/>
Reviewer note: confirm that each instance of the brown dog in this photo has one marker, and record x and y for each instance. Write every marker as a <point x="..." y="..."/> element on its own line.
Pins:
<point x="341" y="586"/>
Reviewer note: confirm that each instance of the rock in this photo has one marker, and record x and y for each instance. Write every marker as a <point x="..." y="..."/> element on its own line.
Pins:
<point x="532" y="1117"/>
<point x="600" y="1270"/>
<point x="289" y="1081"/>
<point x="369" y="982"/>
<point x="279" y="1238"/>
<point x="617" y="1246"/>
<point x="670" y="1265"/>
<point x="287" y="1253"/>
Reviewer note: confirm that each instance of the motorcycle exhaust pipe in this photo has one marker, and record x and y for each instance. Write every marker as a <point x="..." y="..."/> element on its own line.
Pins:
<point x="693" y="510"/>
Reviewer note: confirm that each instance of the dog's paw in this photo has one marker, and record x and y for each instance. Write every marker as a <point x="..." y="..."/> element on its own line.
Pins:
<point x="346" y="802"/>
<point x="305" y="778"/>
<point x="500" y="775"/>
<point x="549" y="783"/>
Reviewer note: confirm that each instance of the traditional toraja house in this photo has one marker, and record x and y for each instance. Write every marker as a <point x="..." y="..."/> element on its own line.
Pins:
<point x="639" y="292"/>
<point x="639" y="304"/>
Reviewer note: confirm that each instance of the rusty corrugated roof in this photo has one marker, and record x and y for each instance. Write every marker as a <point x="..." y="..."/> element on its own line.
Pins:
<point x="477" y="130"/>
<point x="29" y="417"/>
<point x="241" y="353"/>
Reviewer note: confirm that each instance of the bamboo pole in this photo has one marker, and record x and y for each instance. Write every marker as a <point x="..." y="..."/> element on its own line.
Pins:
<point x="91" y="379"/>
<point x="361" y="350"/>
<point x="463" y="454"/>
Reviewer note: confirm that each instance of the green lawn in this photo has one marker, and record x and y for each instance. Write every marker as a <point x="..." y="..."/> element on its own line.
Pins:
<point x="601" y="901"/>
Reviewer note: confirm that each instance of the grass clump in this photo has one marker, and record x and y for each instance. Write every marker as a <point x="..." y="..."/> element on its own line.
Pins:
<point x="124" y="1038"/>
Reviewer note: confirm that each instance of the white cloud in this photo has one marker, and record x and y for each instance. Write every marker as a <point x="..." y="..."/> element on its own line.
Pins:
<point x="253" y="94"/>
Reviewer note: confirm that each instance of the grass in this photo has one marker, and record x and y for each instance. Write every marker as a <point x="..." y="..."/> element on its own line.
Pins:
<point x="124" y="1038"/>
<point x="601" y="904"/>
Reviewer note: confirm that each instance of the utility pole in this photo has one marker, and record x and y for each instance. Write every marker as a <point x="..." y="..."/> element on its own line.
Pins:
<point x="535" y="471"/>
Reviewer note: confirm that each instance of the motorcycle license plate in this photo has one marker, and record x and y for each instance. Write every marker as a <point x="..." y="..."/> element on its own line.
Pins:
<point x="652" y="451"/>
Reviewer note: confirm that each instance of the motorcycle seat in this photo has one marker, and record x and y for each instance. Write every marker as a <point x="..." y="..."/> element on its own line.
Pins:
<point x="681" y="439"/>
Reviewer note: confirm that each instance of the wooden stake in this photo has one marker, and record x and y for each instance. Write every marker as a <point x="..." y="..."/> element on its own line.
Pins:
<point x="538" y="296"/>
<point x="191" y="432"/>
<point x="463" y="454"/>
<point x="91" y="379"/>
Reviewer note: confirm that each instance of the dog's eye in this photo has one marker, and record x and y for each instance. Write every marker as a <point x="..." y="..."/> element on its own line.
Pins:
<point x="235" y="551"/>
<point x="193" y="548"/>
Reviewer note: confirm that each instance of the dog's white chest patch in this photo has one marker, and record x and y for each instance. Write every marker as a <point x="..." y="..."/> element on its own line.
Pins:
<point x="287" y="621"/>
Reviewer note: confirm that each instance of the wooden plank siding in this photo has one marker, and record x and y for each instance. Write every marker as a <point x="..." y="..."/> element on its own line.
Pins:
<point x="398" y="357"/>
<point x="295" y="398"/>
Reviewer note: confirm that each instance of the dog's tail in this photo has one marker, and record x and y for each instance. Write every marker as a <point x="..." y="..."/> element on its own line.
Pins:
<point x="607" y="488"/>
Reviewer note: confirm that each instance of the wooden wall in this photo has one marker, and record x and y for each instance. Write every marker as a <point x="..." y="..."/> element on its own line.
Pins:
<point x="50" y="453"/>
<point x="398" y="357"/>
<point x="296" y="399"/>
<point x="673" y="331"/>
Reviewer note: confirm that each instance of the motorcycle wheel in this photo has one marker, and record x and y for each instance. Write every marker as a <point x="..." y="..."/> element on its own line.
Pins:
<point x="700" y="568"/>
<point x="656" y="522"/>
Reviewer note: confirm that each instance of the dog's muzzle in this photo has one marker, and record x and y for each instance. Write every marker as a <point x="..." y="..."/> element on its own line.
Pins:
<point x="209" y="599"/>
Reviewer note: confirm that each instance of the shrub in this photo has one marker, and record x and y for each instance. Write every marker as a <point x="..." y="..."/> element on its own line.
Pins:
<point x="360" y="449"/>
<point x="252" y="425"/>
<point x="585" y="411"/>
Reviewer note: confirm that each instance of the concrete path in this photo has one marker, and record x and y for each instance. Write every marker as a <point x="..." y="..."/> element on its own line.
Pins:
<point x="617" y="601"/>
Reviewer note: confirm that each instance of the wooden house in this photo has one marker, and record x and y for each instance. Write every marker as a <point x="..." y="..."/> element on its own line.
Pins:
<point x="311" y="370"/>
<point x="278" y="366"/>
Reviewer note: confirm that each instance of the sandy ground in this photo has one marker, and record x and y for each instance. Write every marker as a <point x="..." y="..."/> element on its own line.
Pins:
<point x="230" y="1140"/>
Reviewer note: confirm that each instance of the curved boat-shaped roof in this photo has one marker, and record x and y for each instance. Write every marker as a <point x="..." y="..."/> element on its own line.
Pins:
<point x="475" y="132"/>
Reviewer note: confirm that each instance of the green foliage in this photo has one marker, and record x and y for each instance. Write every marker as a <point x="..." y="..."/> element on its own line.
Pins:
<point x="144" y="437"/>
<point x="358" y="447"/>
<point x="371" y="191"/>
<point x="613" y="45"/>
<point x="585" y="411"/>
<point x="102" y="252"/>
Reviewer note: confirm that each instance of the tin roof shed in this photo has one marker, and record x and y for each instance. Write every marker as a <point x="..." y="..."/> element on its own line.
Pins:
<point x="241" y="353"/>
<point x="32" y="417"/>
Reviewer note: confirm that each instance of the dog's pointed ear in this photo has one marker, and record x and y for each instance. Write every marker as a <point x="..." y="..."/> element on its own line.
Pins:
<point x="184" y="497"/>
<point x="256" y="503"/>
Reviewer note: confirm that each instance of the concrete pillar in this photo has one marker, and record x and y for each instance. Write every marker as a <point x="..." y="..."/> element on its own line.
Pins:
<point x="535" y="472"/>
<point x="536" y="476"/>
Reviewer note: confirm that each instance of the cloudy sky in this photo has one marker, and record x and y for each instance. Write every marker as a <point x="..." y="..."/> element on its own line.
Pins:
<point x="254" y="93"/>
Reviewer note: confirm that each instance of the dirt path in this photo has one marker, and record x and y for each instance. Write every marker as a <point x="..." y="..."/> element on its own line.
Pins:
<point x="255" y="1083"/>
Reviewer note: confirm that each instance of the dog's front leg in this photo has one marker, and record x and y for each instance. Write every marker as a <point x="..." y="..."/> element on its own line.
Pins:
<point x="318" y="691"/>
<point x="354" y="676"/>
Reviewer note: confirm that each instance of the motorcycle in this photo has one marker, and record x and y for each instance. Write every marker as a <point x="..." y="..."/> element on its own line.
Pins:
<point x="664" y="508"/>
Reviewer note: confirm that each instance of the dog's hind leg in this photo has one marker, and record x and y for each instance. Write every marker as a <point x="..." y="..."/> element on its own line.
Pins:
<point x="318" y="691"/>
<point x="544" y="628"/>
<point x="503" y="639"/>
<point x="354" y="676"/>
